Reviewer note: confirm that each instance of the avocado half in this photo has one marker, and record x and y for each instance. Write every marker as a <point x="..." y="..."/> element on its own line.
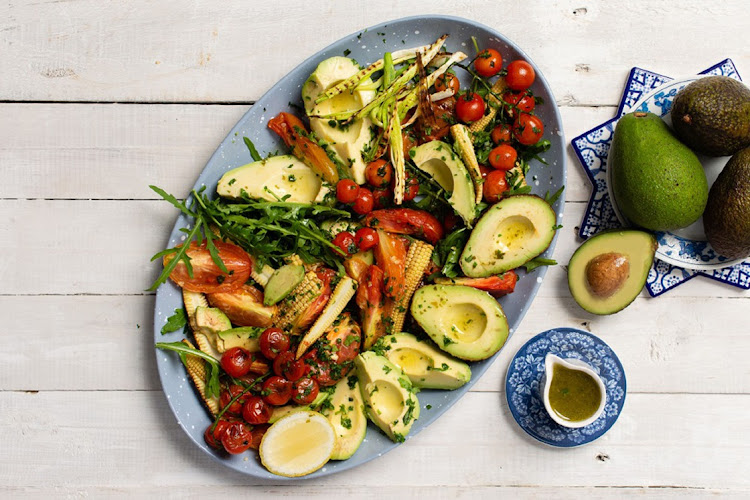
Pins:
<point x="608" y="270"/>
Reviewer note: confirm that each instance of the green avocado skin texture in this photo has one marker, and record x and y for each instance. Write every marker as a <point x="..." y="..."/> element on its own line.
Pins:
<point x="658" y="183"/>
<point x="727" y="216"/>
<point x="712" y="115"/>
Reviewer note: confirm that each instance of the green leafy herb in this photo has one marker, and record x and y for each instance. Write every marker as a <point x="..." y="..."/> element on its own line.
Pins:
<point x="175" y="322"/>
<point x="212" y="384"/>
<point x="555" y="196"/>
<point x="251" y="147"/>
<point x="538" y="262"/>
<point x="448" y="251"/>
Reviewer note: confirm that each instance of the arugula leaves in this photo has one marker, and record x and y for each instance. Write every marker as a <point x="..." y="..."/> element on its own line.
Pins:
<point x="448" y="251"/>
<point x="213" y="387"/>
<point x="538" y="262"/>
<point x="175" y="322"/>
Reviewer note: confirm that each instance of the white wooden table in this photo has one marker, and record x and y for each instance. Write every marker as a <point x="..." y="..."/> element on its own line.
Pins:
<point x="100" y="98"/>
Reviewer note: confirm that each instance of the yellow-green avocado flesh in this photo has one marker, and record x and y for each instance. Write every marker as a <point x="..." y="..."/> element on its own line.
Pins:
<point x="636" y="247"/>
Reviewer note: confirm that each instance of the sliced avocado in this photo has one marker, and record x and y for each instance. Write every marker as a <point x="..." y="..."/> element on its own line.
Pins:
<point x="712" y="115"/>
<point x="426" y="366"/>
<point x="390" y="399"/>
<point x="346" y="412"/>
<point x="282" y="411"/>
<point x="347" y="141"/>
<point x="282" y="282"/>
<point x="272" y="178"/>
<point x="440" y="161"/>
<point x="727" y="215"/>
<point x="658" y="183"/>
<point x="211" y="320"/>
<point x="463" y="321"/>
<point x="608" y="271"/>
<point x="243" y="336"/>
<point x="512" y="232"/>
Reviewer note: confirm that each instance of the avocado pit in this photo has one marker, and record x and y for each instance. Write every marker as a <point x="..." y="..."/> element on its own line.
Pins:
<point x="607" y="273"/>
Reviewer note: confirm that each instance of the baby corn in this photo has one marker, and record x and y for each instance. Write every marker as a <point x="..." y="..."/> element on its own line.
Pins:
<point x="417" y="260"/>
<point x="498" y="88"/>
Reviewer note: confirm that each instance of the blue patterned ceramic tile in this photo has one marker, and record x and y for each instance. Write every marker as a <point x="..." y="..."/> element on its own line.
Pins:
<point x="592" y="149"/>
<point x="523" y="385"/>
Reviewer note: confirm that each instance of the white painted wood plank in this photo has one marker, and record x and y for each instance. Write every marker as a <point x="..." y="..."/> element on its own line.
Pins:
<point x="53" y="151"/>
<point x="102" y="343"/>
<point x="198" y="51"/>
<point x="81" y="440"/>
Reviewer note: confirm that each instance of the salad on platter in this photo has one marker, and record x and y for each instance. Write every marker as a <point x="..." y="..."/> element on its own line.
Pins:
<point x="399" y="204"/>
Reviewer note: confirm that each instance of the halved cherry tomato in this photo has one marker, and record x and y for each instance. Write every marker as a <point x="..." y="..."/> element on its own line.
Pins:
<point x="494" y="186"/>
<point x="364" y="202"/>
<point x="256" y="411"/>
<point x="520" y="75"/>
<point x="237" y="437"/>
<point x="447" y="81"/>
<point x="406" y="221"/>
<point x="285" y="365"/>
<point x="227" y="395"/>
<point x="345" y="241"/>
<point x="488" y="63"/>
<point x="277" y="390"/>
<point x="470" y="107"/>
<point x="305" y="390"/>
<point x="273" y="341"/>
<point x="528" y="129"/>
<point x="379" y="173"/>
<point x="366" y="238"/>
<point x="411" y="190"/>
<point x="237" y="362"/>
<point x="346" y="191"/>
<point x="207" y="277"/>
<point x="501" y="133"/>
<point x="503" y="157"/>
<point x="213" y="437"/>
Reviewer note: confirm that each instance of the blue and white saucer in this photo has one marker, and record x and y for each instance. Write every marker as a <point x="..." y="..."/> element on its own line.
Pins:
<point x="523" y="391"/>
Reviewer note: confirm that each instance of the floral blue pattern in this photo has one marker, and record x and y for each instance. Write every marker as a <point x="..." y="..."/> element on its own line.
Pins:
<point x="592" y="149"/>
<point x="523" y="389"/>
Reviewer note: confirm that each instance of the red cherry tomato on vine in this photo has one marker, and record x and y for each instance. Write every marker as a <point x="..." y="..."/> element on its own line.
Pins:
<point x="273" y="341"/>
<point x="411" y="190"/>
<point x="364" y="202"/>
<point x="237" y="438"/>
<point x="382" y="197"/>
<point x="494" y="186"/>
<point x="501" y="133"/>
<point x="447" y="81"/>
<point x="256" y="411"/>
<point x="305" y="390"/>
<point x="277" y="390"/>
<point x="470" y="107"/>
<point x="528" y="129"/>
<point x="227" y="395"/>
<point x="378" y="173"/>
<point x="488" y="63"/>
<point x="345" y="241"/>
<point x="285" y="365"/>
<point x="503" y="157"/>
<point x="346" y="191"/>
<point x="520" y="75"/>
<point x="213" y="437"/>
<point x="366" y="238"/>
<point x="236" y="362"/>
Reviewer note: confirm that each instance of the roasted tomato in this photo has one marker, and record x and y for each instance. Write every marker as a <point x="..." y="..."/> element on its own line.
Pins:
<point x="207" y="277"/>
<point x="406" y="221"/>
<point x="333" y="357"/>
<point x="304" y="391"/>
<point x="292" y="131"/>
<point x="273" y="341"/>
<point x="227" y="395"/>
<point x="237" y="362"/>
<point x="213" y="433"/>
<point x="497" y="286"/>
<point x="390" y="255"/>
<point x="237" y="437"/>
<point x="440" y="124"/>
<point x="370" y="301"/>
<point x="256" y="411"/>
<point x="277" y="390"/>
<point x="244" y="306"/>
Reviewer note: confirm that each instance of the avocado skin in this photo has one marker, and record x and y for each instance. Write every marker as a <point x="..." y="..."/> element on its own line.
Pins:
<point x="727" y="216"/>
<point x="658" y="183"/>
<point x="712" y="115"/>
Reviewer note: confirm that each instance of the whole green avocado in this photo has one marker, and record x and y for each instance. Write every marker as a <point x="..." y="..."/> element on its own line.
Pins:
<point x="712" y="115"/>
<point x="658" y="183"/>
<point x="727" y="216"/>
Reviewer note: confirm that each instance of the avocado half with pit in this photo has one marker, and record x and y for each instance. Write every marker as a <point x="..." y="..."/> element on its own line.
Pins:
<point x="512" y="232"/>
<point x="463" y="321"/>
<point x="608" y="270"/>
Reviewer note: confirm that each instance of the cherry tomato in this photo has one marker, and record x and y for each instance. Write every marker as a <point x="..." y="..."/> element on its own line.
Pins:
<point x="285" y="365"/>
<point x="382" y="197"/>
<point x="213" y="438"/>
<point x="447" y="81"/>
<point x="227" y="395"/>
<point x="494" y="186"/>
<point x="528" y="129"/>
<point x="345" y="241"/>
<point x="366" y="238"/>
<point x="378" y="173"/>
<point x="277" y="390"/>
<point x="256" y="411"/>
<point x="305" y="390"/>
<point x="411" y="190"/>
<point x="519" y="101"/>
<point x="488" y="63"/>
<point x="364" y="202"/>
<point x="503" y="157"/>
<point x="484" y="169"/>
<point x="501" y="133"/>
<point x="520" y="75"/>
<point x="236" y="362"/>
<point x="450" y="221"/>
<point x="258" y="432"/>
<point x="346" y="191"/>
<point x="273" y="341"/>
<point x="237" y="437"/>
<point x="470" y="107"/>
<point x="207" y="277"/>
